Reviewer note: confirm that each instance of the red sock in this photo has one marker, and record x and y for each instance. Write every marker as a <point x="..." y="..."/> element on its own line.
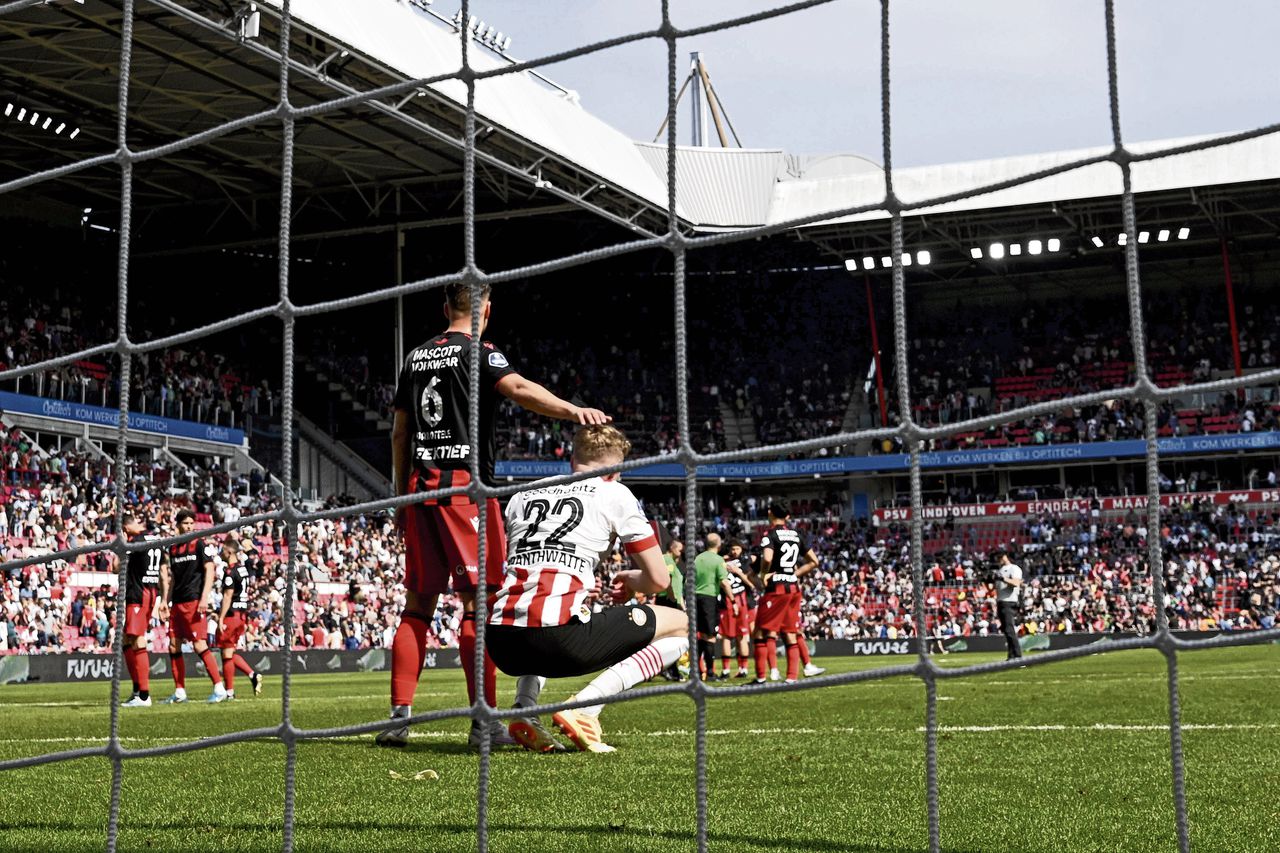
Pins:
<point x="771" y="653"/>
<point x="131" y="665"/>
<point x="408" y="653"/>
<point x="793" y="661"/>
<point x="179" y="665"/>
<point x="142" y="670"/>
<point x="467" y="646"/>
<point x="211" y="666"/>
<point x="742" y="663"/>
<point x="229" y="673"/>
<point x="724" y="663"/>
<point x="762" y="659"/>
<point x="804" y="651"/>
<point x="242" y="664"/>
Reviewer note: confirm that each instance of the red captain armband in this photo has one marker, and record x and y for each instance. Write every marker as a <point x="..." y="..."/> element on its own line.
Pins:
<point x="641" y="544"/>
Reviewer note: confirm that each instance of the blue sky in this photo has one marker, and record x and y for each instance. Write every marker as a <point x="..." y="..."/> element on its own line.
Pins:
<point x="973" y="79"/>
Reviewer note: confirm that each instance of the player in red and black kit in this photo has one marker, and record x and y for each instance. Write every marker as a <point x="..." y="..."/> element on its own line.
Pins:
<point x="779" y="609"/>
<point x="187" y="583"/>
<point x="141" y="604"/>
<point x="735" y="626"/>
<point x="237" y="584"/>
<point x="431" y="446"/>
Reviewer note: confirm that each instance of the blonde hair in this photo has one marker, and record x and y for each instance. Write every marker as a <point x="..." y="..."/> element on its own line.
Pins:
<point x="593" y="442"/>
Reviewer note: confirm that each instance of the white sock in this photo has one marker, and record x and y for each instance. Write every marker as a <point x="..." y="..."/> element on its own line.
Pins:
<point x="528" y="688"/>
<point x="643" y="665"/>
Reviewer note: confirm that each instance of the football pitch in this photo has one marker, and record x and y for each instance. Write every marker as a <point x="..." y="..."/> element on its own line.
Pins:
<point x="1072" y="756"/>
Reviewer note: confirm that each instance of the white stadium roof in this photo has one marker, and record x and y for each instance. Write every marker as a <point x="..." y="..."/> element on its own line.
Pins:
<point x="725" y="189"/>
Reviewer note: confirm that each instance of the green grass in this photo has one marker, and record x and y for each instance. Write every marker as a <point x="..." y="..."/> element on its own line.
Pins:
<point x="839" y="768"/>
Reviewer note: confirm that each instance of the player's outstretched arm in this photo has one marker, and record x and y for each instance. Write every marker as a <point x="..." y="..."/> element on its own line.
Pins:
<point x="528" y="394"/>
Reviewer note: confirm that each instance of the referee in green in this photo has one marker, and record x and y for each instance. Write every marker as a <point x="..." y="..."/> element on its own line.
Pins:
<point x="673" y="595"/>
<point x="711" y="577"/>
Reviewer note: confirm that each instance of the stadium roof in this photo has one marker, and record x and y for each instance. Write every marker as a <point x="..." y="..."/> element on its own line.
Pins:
<point x="539" y="152"/>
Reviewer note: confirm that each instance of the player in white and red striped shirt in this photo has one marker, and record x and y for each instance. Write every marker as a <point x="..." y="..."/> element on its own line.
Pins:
<point x="541" y="623"/>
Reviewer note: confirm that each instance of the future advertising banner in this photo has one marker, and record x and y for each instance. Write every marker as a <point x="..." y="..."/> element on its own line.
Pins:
<point x="16" y="669"/>
<point x="99" y="416"/>
<point x="1028" y="454"/>
<point x="961" y="512"/>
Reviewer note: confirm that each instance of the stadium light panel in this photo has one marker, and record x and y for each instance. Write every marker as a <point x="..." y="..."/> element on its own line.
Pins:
<point x="62" y="125"/>
<point x="35" y="117"/>
<point x="48" y="121"/>
<point x="851" y="264"/>
<point x="975" y="253"/>
<point x="886" y="262"/>
<point x="22" y="113"/>
<point x="8" y="109"/>
<point x="1034" y="247"/>
<point x="1184" y="232"/>
<point x="906" y="259"/>
<point x="923" y="258"/>
<point x="1123" y="239"/>
<point x="74" y="133"/>
<point x="1097" y="241"/>
<point x="868" y="263"/>
<point x="1144" y="236"/>
<point x="1163" y="235"/>
<point x="996" y="251"/>
<point x="1015" y="248"/>
<point x="1054" y="244"/>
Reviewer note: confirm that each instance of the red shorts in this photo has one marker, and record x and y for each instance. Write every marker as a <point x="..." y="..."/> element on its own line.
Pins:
<point x="232" y="630"/>
<point x="736" y="626"/>
<point x="188" y="623"/>
<point x="778" y="611"/>
<point x="137" y="617"/>
<point x="440" y="543"/>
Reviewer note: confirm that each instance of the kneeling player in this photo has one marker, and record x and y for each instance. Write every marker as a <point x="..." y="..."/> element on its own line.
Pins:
<point x="540" y="624"/>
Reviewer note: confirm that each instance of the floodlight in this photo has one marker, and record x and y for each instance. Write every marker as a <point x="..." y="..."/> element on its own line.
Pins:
<point x="48" y="121"/>
<point x="1015" y="249"/>
<point x="1144" y="236"/>
<point x="1184" y="232"/>
<point x="1034" y="247"/>
<point x="1163" y="235"/>
<point x="1123" y="239"/>
<point x="868" y="263"/>
<point x="975" y="253"/>
<point x="35" y="117"/>
<point x="62" y="125"/>
<point x="1097" y="241"/>
<point x="923" y="258"/>
<point x="8" y="109"/>
<point x="886" y="262"/>
<point x="506" y="43"/>
<point x="22" y="113"/>
<point x="1054" y="244"/>
<point x="851" y="264"/>
<point x="996" y="251"/>
<point x="74" y="133"/>
<point x="906" y="259"/>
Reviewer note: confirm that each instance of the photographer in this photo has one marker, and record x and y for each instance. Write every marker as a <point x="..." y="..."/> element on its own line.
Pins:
<point x="1009" y="602"/>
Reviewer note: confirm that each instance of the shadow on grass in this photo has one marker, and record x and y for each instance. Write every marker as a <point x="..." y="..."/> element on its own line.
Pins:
<point x="306" y="826"/>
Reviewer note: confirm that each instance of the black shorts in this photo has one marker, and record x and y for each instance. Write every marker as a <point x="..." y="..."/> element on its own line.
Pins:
<point x="708" y="615"/>
<point x="576" y="648"/>
<point x="664" y="601"/>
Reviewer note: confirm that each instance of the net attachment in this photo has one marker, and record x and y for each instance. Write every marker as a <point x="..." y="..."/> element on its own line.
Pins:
<point x="679" y="244"/>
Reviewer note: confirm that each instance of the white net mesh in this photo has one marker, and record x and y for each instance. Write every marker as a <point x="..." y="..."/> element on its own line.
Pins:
<point x="679" y="244"/>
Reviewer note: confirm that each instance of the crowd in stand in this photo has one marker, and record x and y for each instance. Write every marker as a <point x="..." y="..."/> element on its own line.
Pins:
<point x="973" y="363"/>
<point x="1086" y="572"/>
<point x="184" y="383"/>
